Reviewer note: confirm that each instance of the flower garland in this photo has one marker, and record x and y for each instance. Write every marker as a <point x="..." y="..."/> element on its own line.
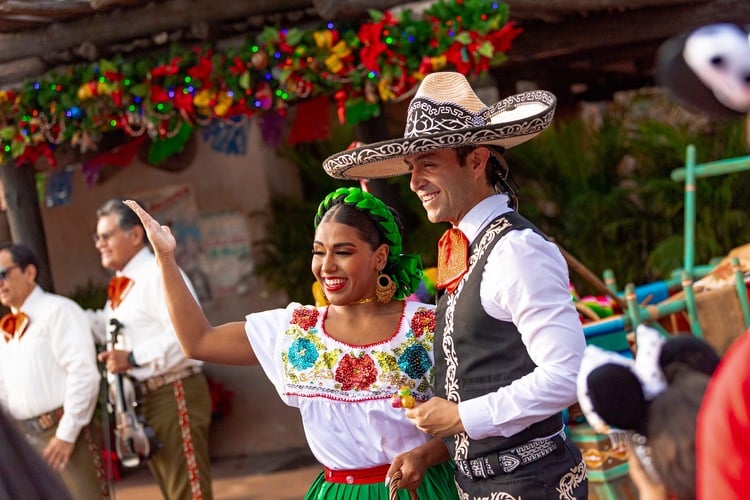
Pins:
<point x="359" y="66"/>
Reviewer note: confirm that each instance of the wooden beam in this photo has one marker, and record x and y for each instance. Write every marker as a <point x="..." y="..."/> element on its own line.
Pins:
<point x="552" y="9"/>
<point x="575" y="37"/>
<point x="16" y="72"/>
<point x="337" y="9"/>
<point x="125" y="25"/>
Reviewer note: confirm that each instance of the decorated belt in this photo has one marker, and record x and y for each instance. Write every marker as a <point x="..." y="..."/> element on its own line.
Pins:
<point x="357" y="476"/>
<point x="506" y="461"/>
<point x="41" y="423"/>
<point x="155" y="383"/>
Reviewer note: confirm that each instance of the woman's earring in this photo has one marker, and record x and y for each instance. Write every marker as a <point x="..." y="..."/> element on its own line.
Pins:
<point x="385" y="289"/>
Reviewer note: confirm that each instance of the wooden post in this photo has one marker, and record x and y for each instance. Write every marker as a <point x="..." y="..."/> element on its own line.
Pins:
<point x="25" y="217"/>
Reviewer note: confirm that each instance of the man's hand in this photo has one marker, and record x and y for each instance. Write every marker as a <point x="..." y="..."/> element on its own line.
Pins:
<point x="57" y="453"/>
<point x="436" y="417"/>
<point x="116" y="360"/>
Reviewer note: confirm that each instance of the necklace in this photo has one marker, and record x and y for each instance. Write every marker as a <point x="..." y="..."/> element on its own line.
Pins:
<point x="362" y="301"/>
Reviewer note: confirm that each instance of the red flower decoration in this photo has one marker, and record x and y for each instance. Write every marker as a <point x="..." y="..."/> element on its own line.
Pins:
<point x="169" y="69"/>
<point x="202" y="70"/>
<point x="423" y="321"/>
<point x="503" y="38"/>
<point x="158" y="94"/>
<point x="238" y="67"/>
<point x="183" y="101"/>
<point x="370" y="36"/>
<point x="305" y="317"/>
<point x="356" y="373"/>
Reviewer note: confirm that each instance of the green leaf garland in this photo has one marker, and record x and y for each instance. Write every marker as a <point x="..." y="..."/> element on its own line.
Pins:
<point x="358" y="66"/>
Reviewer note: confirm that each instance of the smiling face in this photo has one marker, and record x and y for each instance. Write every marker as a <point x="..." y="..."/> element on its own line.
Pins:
<point x="344" y="264"/>
<point x="446" y="188"/>
<point x="117" y="246"/>
<point x="18" y="283"/>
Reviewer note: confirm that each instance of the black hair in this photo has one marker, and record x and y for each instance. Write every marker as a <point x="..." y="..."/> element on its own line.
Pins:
<point x="362" y="221"/>
<point x="21" y="255"/>
<point x="671" y="431"/>
<point x="497" y="173"/>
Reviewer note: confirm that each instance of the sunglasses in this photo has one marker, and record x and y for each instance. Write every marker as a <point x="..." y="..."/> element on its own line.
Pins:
<point x="108" y="235"/>
<point x="5" y="270"/>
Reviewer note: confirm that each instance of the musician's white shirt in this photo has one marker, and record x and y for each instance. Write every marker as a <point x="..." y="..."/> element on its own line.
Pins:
<point x="52" y="365"/>
<point x="147" y="329"/>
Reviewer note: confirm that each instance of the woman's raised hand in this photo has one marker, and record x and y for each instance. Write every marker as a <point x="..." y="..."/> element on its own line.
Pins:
<point x="161" y="237"/>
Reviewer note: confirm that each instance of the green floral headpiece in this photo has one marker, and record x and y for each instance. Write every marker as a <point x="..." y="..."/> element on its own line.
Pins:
<point x="404" y="269"/>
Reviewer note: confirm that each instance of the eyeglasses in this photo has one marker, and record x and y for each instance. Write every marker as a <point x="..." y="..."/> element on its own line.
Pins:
<point x="104" y="236"/>
<point x="5" y="270"/>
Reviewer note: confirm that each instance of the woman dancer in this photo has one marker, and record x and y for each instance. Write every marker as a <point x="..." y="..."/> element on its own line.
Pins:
<point x="340" y="364"/>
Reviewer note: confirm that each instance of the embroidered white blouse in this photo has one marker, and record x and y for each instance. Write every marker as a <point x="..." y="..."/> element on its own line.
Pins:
<point x="344" y="391"/>
<point x="526" y="282"/>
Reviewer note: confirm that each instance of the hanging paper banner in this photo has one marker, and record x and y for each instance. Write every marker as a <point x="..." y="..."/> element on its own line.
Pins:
<point x="310" y="121"/>
<point x="121" y="156"/>
<point x="226" y="242"/>
<point x="59" y="188"/>
<point x="272" y="128"/>
<point x="227" y="136"/>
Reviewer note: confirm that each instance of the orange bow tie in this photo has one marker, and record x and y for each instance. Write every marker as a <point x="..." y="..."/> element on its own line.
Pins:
<point x="453" y="259"/>
<point x="118" y="288"/>
<point x="14" y="324"/>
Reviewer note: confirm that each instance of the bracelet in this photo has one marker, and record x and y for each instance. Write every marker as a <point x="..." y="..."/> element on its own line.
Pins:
<point x="131" y="360"/>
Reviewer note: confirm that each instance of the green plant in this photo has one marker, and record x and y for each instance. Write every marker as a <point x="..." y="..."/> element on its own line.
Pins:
<point x="90" y="295"/>
<point x="604" y="191"/>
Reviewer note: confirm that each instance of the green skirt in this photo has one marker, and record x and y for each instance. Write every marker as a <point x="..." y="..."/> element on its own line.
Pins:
<point x="437" y="484"/>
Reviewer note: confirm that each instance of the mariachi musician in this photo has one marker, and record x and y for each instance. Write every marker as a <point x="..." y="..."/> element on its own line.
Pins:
<point x="49" y="381"/>
<point x="173" y="392"/>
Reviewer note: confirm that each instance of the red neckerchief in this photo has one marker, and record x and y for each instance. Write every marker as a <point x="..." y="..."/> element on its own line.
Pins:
<point x="118" y="288"/>
<point x="14" y="324"/>
<point x="453" y="259"/>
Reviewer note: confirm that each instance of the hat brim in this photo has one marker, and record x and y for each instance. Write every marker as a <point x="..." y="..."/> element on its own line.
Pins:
<point x="515" y="120"/>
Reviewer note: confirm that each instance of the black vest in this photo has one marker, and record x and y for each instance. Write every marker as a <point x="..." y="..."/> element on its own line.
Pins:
<point x="480" y="354"/>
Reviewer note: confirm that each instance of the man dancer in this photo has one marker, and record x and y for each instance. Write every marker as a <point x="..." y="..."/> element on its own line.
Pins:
<point x="509" y="336"/>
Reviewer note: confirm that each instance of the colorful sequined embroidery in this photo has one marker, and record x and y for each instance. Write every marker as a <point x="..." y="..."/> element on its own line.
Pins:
<point x="317" y="365"/>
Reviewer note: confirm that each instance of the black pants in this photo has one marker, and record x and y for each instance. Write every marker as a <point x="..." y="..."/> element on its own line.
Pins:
<point x="560" y="475"/>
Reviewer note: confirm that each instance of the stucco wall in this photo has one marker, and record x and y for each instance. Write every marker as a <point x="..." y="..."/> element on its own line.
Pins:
<point x="258" y="422"/>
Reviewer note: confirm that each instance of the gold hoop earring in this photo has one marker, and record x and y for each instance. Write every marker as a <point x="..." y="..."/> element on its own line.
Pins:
<point x="385" y="289"/>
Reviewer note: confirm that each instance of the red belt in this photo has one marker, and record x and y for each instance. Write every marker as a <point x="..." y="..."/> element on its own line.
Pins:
<point x="358" y="476"/>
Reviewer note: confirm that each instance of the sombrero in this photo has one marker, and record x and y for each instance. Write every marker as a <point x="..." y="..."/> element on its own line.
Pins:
<point x="446" y="113"/>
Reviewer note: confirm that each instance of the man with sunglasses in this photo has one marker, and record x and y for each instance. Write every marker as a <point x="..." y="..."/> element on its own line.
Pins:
<point x="49" y="381"/>
<point x="174" y="395"/>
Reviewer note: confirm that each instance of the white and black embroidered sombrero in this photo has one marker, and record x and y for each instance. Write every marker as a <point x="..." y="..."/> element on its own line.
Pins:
<point x="446" y="113"/>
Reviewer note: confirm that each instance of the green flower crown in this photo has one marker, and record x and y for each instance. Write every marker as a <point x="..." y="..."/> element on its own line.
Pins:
<point x="404" y="269"/>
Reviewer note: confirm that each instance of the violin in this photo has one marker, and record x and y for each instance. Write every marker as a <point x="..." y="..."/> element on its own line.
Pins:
<point x="135" y="441"/>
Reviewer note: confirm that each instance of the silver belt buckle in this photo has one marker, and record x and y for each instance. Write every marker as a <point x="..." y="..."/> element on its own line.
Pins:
<point x="508" y="462"/>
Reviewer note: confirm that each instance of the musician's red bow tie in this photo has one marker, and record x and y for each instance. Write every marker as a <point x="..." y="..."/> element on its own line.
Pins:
<point x="453" y="259"/>
<point x="119" y="286"/>
<point x="14" y="324"/>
